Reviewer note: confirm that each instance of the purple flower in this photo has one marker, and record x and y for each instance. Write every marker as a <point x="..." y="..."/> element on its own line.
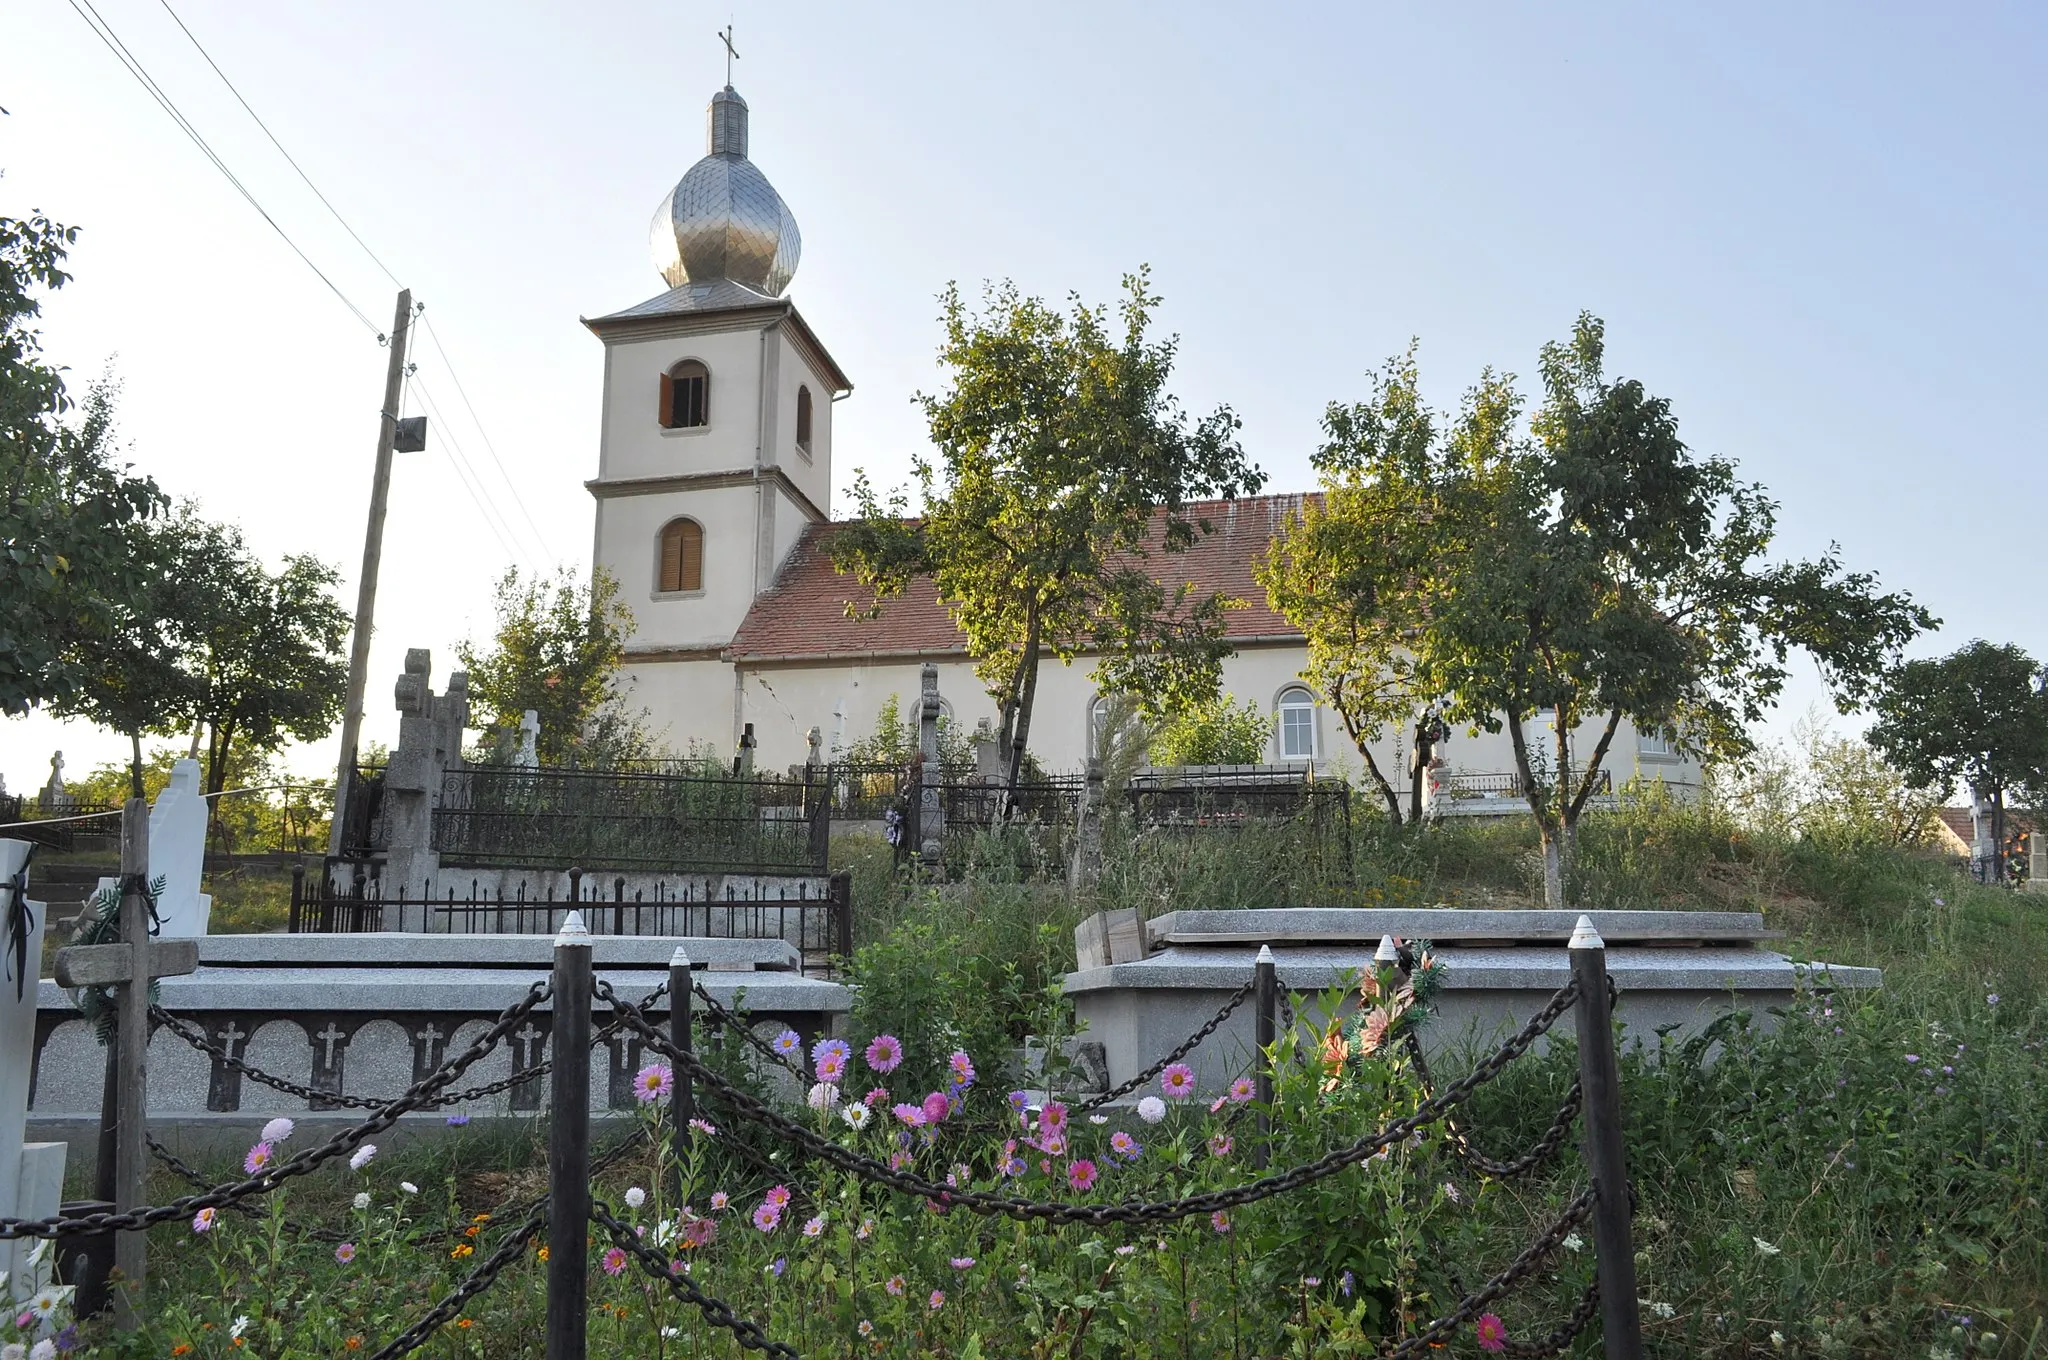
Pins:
<point x="767" y="1216"/>
<point x="260" y="1156"/>
<point x="839" y="1048"/>
<point x="456" y="1121"/>
<point x="962" y="1068"/>
<point x="1177" y="1081"/>
<point x="1912" y="1057"/>
<point x="1125" y="1146"/>
<point x="1019" y="1101"/>
<point x="787" y="1042"/>
<point x="781" y="1264"/>
<point x="653" y="1083"/>
<point x="345" y="1253"/>
<point x="1991" y="1000"/>
<point x="936" y="1107"/>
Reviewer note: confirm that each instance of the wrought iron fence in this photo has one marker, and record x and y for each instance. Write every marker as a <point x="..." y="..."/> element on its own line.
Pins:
<point x="628" y="819"/>
<point x="815" y="917"/>
<point x="1510" y="785"/>
<point x="59" y="827"/>
<point x="363" y="829"/>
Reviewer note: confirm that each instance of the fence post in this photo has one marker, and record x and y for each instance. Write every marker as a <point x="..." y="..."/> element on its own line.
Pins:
<point x="684" y="1098"/>
<point x="569" y="1144"/>
<point x="131" y="1153"/>
<point x="1265" y="982"/>
<point x="575" y="895"/>
<point x="298" y="898"/>
<point x="1599" y="1080"/>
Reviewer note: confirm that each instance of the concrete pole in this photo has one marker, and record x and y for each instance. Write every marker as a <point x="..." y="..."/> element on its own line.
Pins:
<point x="131" y="1149"/>
<point x="1266" y="1030"/>
<point x="683" y="1096"/>
<point x="373" y="557"/>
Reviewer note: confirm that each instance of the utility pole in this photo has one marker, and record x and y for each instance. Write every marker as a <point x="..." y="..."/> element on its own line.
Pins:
<point x="366" y="586"/>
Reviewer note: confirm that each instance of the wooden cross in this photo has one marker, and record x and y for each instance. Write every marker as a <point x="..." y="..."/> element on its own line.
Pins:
<point x="128" y="967"/>
<point x="731" y="53"/>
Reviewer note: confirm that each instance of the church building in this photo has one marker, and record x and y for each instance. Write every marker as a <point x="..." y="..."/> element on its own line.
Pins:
<point x="713" y="491"/>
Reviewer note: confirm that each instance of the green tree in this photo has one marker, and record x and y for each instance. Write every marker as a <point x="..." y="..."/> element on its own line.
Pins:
<point x="65" y="573"/>
<point x="557" y="651"/>
<point x="1215" y="732"/>
<point x="1063" y="466"/>
<point x="1591" y="569"/>
<point x="1979" y="714"/>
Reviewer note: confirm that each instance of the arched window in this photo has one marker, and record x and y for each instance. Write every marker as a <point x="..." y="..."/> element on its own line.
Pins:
<point x="686" y="396"/>
<point x="803" y="419"/>
<point x="1098" y="723"/>
<point x="1295" y="729"/>
<point x="681" y="557"/>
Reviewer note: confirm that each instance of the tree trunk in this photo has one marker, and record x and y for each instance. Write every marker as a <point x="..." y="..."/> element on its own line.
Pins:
<point x="1419" y="758"/>
<point x="1546" y="824"/>
<point x="1027" y="691"/>
<point x="1998" y="833"/>
<point x="135" y="765"/>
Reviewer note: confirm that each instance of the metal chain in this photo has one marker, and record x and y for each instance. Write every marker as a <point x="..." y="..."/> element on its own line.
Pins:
<point x="1186" y="1047"/>
<point x="717" y="1312"/>
<point x="1539" y="1152"/>
<point x="419" y="1096"/>
<point x="475" y="1283"/>
<point x="907" y="1183"/>
<point x="730" y="1019"/>
<point x="1565" y="1332"/>
<point x="1518" y="1270"/>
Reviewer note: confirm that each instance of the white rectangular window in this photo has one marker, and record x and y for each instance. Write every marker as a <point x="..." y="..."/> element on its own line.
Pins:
<point x="1297" y="732"/>
<point x="1654" y="744"/>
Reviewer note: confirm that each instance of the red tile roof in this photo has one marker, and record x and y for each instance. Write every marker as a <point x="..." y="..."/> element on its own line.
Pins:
<point x="803" y="615"/>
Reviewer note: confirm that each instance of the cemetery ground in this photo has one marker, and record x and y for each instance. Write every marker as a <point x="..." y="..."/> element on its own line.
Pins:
<point x="1866" y="1179"/>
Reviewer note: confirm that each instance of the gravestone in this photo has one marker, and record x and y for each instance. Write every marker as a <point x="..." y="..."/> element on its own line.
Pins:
<point x="528" y="755"/>
<point x="177" y="854"/>
<point x="931" y="811"/>
<point x="31" y="1174"/>
<point x="56" y="799"/>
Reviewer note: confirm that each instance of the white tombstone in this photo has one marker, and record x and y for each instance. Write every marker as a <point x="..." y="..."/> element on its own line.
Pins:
<point x="177" y="852"/>
<point x="31" y="1174"/>
<point x="528" y="755"/>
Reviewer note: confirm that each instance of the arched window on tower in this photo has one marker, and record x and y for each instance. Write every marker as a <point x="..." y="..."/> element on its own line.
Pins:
<point x="681" y="557"/>
<point x="686" y="396"/>
<point x="803" y="420"/>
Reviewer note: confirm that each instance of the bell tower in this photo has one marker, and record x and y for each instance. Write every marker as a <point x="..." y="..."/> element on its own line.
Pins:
<point x="715" y="450"/>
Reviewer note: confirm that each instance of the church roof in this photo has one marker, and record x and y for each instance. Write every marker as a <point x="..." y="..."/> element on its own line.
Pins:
<point x="719" y="295"/>
<point x="802" y="617"/>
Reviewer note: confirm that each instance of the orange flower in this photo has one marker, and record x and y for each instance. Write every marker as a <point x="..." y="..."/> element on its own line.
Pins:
<point x="182" y="1348"/>
<point x="1334" y="1052"/>
<point x="462" y="1249"/>
<point x="481" y="1218"/>
<point x="470" y="1231"/>
<point x="354" y="1343"/>
<point x="465" y="1323"/>
<point x="541" y="1255"/>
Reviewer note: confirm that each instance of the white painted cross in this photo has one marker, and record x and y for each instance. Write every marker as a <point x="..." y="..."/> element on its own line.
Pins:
<point x="177" y="855"/>
<point x="31" y="1174"/>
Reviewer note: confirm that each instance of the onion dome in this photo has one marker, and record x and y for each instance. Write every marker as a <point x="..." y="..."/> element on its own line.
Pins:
<point x="724" y="221"/>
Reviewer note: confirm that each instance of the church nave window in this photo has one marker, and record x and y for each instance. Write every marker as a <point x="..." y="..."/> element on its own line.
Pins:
<point x="803" y="420"/>
<point x="686" y="396"/>
<point x="681" y="556"/>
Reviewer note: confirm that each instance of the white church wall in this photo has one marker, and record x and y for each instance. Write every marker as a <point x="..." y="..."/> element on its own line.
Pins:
<point x="685" y="701"/>
<point x="627" y="542"/>
<point x="635" y="444"/>
<point x="811" y="472"/>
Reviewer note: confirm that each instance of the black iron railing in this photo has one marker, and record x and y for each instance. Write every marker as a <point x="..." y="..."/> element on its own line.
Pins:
<point x="1509" y="785"/>
<point x="627" y="819"/>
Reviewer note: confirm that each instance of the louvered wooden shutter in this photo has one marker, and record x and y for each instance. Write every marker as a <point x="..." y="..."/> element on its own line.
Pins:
<point x="689" y="556"/>
<point x="672" y="555"/>
<point x="667" y="414"/>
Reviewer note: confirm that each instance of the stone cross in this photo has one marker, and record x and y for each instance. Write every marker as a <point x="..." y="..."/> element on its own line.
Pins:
<point x="56" y="798"/>
<point x="528" y="755"/>
<point x="224" y="1083"/>
<point x="31" y="1174"/>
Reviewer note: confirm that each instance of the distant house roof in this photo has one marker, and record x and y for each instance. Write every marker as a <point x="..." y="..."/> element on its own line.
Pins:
<point x="1956" y="834"/>
<point x="802" y="617"/>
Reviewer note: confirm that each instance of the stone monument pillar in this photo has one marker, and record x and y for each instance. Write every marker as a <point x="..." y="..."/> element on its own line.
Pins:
<point x="31" y="1174"/>
<point x="2037" y="860"/>
<point x="988" y="754"/>
<point x="527" y="757"/>
<point x="56" y="800"/>
<point x="931" y="812"/>
<point x="1087" y="864"/>
<point x="430" y="732"/>
<point x="177" y="851"/>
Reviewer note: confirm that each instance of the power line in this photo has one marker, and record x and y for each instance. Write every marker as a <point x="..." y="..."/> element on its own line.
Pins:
<point x="479" y="494"/>
<point x="105" y="33"/>
<point x="279" y="145"/>
<point x="477" y="420"/>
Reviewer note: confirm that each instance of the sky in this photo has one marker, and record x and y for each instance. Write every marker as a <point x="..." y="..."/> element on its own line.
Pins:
<point x="1816" y="229"/>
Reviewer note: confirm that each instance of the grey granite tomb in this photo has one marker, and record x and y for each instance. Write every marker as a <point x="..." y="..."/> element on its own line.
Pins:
<point x="1143" y="987"/>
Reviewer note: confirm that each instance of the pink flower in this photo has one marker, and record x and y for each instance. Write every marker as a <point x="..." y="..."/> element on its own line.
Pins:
<point x="653" y="1082"/>
<point x="963" y="1263"/>
<point x="700" y="1232"/>
<point x="345" y="1253"/>
<point x="884" y="1053"/>
<point x="778" y="1196"/>
<point x="1081" y="1174"/>
<point x="260" y="1156"/>
<point x="1052" y="1118"/>
<point x="878" y="1096"/>
<point x="831" y="1067"/>
<point x="1219" y="1145"/>
<point x="719" y="1199"/>
<point x="1242" y="1090"/>
<point x="1491" y="1331"/>
<point x="203" y="1220"/>
<point x="766" y="1216"/>
<point x="937" y="1300"/>
<point x="962" y="1067"/>
<point x="705" y="1127"/>
<point x="1177" y="1081"/>
<point x="911" y="1115"/>
<point x="936" y="1107"/>
<point x="1220" y="1221"/>
<point x="1124" y="1146"/>
<point x="894" y="1285"/>
<point x="615" y="1261"/>
<point x="814" y="1226"/>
